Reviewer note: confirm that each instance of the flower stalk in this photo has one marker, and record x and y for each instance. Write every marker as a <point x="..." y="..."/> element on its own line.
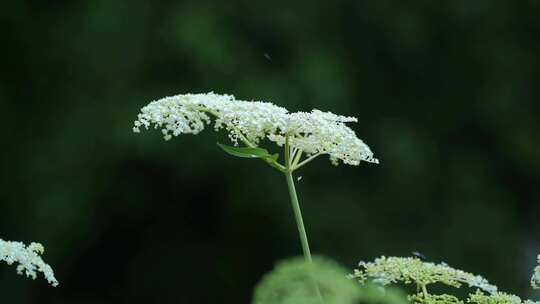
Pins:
<point x="298" y="216"/>
<point x="296" y="205"/>
<point x="290" y="159"/>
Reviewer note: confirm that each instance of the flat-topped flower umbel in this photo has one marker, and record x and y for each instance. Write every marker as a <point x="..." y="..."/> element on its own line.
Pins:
<point x="249" y="122"/>
<point x="28" y="259"/>
<point x="314" y="133"/>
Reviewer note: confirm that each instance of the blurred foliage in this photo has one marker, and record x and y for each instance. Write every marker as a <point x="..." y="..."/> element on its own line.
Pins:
<point x="445" y="91"/>
<point x="292" y="281"/>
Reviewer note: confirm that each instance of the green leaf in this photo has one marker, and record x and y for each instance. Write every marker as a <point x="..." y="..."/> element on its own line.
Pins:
<point x="274" y="156"/>
<point x="246" y="152"/>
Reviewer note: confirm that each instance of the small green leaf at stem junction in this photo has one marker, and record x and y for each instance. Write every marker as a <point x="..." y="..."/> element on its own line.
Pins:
<point x="274" y="156"/>
<point x="247" y="152"/>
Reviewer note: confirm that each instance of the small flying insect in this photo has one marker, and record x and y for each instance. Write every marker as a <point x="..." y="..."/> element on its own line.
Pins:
<point x="419" y="255"/>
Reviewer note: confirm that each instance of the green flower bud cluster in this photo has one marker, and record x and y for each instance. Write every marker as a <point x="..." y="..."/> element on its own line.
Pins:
<point x="497" y="298"/>
<point x="412" y="270"/>
<point x="409" y="270"/>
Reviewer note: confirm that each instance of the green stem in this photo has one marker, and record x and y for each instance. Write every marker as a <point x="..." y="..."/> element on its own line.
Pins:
<point x="298" y="216"/>
<point x="424" y="291"/>
<point x="297" y="158"/>
<point x="305" y="161"/>
<point x="301" y="228"/>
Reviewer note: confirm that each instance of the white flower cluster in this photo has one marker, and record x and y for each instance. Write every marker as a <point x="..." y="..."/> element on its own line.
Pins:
<point x="313" y="133"/>
<point x="28" y="259"/>
<point x="387" y="270"/>
<point x="535" y="280"/>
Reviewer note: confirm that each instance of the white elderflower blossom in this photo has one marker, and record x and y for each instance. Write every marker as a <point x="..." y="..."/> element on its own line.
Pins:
<point x="387" y="270"/>
<point x="535" y="280"/>
<point x="313" y="133"/>
<point x="28" y="259"/>
<point x="320" y="132"/>
<point x="189" y="113"/>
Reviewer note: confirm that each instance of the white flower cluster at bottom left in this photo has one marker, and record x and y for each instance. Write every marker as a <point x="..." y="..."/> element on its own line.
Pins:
<point x="28" y="258"/>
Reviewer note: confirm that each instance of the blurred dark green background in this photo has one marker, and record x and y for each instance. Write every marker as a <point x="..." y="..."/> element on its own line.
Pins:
<point x="447" y="95"/>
